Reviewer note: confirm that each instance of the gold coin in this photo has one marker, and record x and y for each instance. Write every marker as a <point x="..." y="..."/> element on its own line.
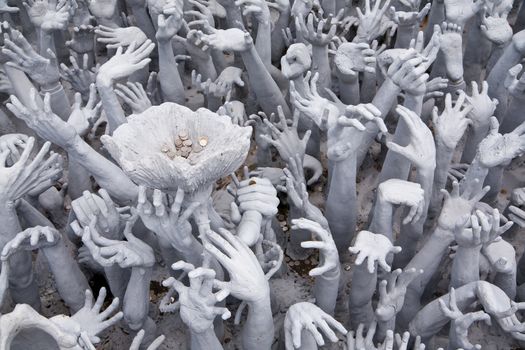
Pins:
<point x="203" y="141"/>
<point x="187" y="143"/>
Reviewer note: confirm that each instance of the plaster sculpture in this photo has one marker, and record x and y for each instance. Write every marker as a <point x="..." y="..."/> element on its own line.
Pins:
<point x="331" y="174"/>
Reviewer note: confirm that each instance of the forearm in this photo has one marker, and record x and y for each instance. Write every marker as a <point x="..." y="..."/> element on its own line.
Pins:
<point x="510" y="57"/>
<point x="258" y="331"/>
<point x="268" y="94"/>
<point x="206" y="340"/>
<point x="430" y="319"/>
<point x="143" y="21"/>
<point x="428" y="259"/>
<point x="507" y="282"/>
<point x="107" y="174"/>
<point x="21" y="85"/>
<point x="436" y="16"/>
<point x="278" y="44"/>
<point x="514" y="114"/>
<point x="349" y="90"/>
<point x="360" y="301"/>
<point x="397" y="166"/>
<point x="474" y="136"/>
<point x="444" y="156"/>
<point x="476" y="171"/>
<point x="368" y="87"/>
<point x="169" y="76"/>
<point x="412" y="232"/>
<point x="263" y="43"/>
<point x="114" y="112"/>
<point x="117" y="279"/>
<point x="384" y="99"/>
<point x="58" y="100"/>
<point x="405" y="33"/>
<point x="465" y="267"/>
<point x="341" y="202"/>
<point x="326" y="288"/>
<point x="382" y="219"/>
<point x="136" y="299"/>
<point x="321" y="65"/>
<point x="46" y="41"/>
<point x="69" y="279"/>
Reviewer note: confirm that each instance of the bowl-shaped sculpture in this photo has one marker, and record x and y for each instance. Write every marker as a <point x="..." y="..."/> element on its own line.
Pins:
<point x="170" y="146"/>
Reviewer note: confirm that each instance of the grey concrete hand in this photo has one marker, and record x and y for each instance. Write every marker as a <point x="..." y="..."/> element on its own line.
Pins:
<point x="134" y="96"/>
<point x="31" y="239"/>
<point x="25" y="175"/>
<point x="197" y="302"/>
<point x="168" y="222"/>
<point x="137" y="341"/>
<point x="328" y="255"/>
<point x="374" y="248"/>
<point x="114" y="38"/>
<point x="308" y="317"/>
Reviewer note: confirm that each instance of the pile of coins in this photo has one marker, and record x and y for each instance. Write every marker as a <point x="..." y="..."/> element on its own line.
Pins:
<point x="184" y="147"/>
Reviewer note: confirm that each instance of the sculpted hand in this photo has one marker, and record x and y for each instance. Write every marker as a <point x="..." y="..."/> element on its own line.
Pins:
<point x="42" y="120"/>
<point x="308" y="317"/>
<point x="104" y="9"/>
<point x="122" y="64"/>
<point x="46" y="16"/>
<point x="392" y="293"/>
<point x="480" y="230"/>
<point x="197" y="302"/>
<point x="328" y="256"/>
<point x="400" y="192"/>
<point x="113" y="38"/>
<point x="134" y="96"/>
<point x="11" y="143"/>
<point x="258" y="8"/>
<point x="496" y="29"/>
<point x="370" y="22"/>
<point x="25" y="175"/>
<point x="80" y="78"/>
<point x="232" y="39"/>
<point x="515" y="86"/>
<point x="457" y="207"/>
<point x="135" y="345"/>
<point x="373" y="247"/>
<point x="130" y="253"/>
<point x="435" y="88"/>
<point x="92" y="320"/>
<point x="168" y="27"/>
<point x="451" y="124"/>
<point x="83" y="118"/>
<point x="108" y="216"/>
<point x="358" y="341"/>
<point x="247" y="279"/>
<point x="314" y="36"/>
<point x="284" y="138"/>
<point x="44" y="71"/>
<point x="461" y="322"/>
<point x="351" y="58"/>
<point x="483" y="106"/>
<point x="31" y="239"/>
<point x="412" y="18"/>
<point x="421" y="150"/>
<point x="167" y="222"/>
<point x="497" y="149"/>
<point x="228" y="78"/>
<point x="319" y="109"/>
<point x="4" y="7"/>
<point x="297" y="192"/>
<point x="83" y="39"/>
<point x="459" y="12"/>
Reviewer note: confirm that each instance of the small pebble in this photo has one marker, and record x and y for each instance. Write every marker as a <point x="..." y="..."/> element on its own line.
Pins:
<point x="183" y="135"/>
<point x="187" y="143"/>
